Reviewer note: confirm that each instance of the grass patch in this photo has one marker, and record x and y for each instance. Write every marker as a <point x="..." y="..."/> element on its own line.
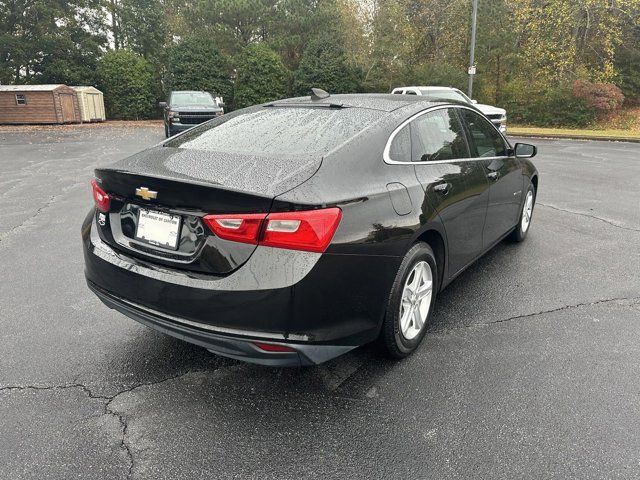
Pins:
<point x="611" y="133"/>
<point x="623" y="124"/>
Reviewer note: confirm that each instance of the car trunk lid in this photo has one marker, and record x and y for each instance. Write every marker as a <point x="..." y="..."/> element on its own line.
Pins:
<point x="179" y="187"/>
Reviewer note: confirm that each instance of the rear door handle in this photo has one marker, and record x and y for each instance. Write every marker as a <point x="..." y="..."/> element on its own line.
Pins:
<point x="493" y="176"/>
<point x="442" y="188"/>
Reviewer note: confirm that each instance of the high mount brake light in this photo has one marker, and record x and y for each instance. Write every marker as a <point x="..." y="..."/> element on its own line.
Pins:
<point x="308" y="230"/>
<point x="100" y="197"/>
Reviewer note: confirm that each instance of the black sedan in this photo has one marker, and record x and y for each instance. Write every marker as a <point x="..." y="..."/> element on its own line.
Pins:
<point x="291" y="232"/>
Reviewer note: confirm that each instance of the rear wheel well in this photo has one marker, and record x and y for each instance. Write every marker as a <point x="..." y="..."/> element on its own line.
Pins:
<point x="436" y="242"/>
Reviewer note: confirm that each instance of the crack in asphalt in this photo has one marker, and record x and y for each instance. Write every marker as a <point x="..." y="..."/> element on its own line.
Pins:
<point x="107" y="410"/>
<point x="64" y="386"/>
<point x="124" y="444"/>
<point x="529" y="315"/>
<point x="40" y="209"/>
<point x="582" y="214"/>
<point x="47" y="204"/>
<point x="565" y="307"/>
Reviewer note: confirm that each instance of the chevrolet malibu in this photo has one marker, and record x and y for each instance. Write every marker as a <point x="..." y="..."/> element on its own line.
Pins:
<point x="291" y="232"/>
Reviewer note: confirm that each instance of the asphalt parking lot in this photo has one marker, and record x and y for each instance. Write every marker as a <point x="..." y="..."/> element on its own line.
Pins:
<point x="531" y="368"/>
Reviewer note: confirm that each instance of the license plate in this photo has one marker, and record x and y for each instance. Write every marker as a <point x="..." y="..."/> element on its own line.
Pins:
<point x="157" y="228"/>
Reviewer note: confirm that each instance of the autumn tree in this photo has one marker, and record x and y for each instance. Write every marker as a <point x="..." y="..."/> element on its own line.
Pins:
<point x="627" y="56"/>
<point x="393" y="40"/>
<point x="558" y="38"/>
<point x="529" y="52"/>
<point x="496" y="49"/>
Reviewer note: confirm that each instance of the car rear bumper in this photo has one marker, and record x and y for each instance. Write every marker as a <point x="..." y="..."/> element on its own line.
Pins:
<point x="240" y="348"/>
<point x="322" y="305"/>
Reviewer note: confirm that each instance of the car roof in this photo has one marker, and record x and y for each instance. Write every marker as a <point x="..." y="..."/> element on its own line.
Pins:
<point x="188" y="91"/>
<point x="385" y="102"/>
<point x="428" y="87"/>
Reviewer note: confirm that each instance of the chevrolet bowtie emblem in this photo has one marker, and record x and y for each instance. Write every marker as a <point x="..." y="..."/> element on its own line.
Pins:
<point x="145" y="193"/>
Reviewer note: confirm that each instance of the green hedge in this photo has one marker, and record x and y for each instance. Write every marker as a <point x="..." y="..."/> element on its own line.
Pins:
<point x="196" y="64"/>
<point x="559" y="107"/>
<point x="127" y="81"/>
<point x="262" y="77"/>
<point x="324" y="65"/>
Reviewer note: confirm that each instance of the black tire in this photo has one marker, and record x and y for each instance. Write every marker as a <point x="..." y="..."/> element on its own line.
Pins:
<point x="391" y="338"/>
<point x="518" y="234"/>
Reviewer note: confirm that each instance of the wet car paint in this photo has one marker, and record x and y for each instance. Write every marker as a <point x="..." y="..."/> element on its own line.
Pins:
<point x="338" y="297"/>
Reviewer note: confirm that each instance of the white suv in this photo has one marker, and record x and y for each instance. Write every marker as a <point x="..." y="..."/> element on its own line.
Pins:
<point x="497" y="115"/>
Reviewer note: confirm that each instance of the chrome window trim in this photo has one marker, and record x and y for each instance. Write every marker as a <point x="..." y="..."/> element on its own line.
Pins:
<point x="388" y="160"/>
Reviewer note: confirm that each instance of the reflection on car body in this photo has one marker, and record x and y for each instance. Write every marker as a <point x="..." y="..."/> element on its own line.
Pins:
<point x="307" y="226"/>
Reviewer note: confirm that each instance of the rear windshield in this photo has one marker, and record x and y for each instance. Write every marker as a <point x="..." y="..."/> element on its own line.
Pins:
<point x="273" y="130"/>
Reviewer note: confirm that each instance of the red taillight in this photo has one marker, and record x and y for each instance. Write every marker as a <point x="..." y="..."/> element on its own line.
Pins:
<point x="273" y="347"/>
<point x="238" y="228"/>
<point x="309" y="230"/>
<point x="100" y="197"/>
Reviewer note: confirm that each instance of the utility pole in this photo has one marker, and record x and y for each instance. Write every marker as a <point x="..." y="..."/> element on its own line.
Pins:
<point x="472" y="65"/>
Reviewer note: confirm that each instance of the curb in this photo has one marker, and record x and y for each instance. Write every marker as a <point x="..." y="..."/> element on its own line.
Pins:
<point x="65" y="127"/>
<point x="562" y="136"/>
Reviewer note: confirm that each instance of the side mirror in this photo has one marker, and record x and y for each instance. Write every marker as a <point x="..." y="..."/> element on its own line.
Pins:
<point x="474" y="101"/>
<point x="524" y="150"/>
<point x="162" y="104"/>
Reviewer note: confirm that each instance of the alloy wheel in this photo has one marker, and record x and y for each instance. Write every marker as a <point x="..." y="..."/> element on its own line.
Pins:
<point x="416" y="300"/>
<point x="527" y="211"/>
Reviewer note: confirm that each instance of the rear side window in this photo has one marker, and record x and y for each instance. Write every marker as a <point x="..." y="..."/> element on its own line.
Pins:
<point x="485" y="140"/>
<point x="284" y="130"/>
<point x="438" y="135"/>
<point x="400" y="148"/>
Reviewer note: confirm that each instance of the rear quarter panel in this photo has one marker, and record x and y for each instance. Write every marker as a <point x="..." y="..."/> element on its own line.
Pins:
<point x="356" y="179"/>
<point x="357" y="271"/>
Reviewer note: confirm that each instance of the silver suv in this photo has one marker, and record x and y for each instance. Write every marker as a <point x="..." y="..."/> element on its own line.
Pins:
<point x="497" y="115"/>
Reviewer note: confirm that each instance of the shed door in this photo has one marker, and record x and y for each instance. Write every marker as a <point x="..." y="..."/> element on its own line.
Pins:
<point x="91" y="108"/>
<point x="94" y="108"/>
<point x="68" y="110"/>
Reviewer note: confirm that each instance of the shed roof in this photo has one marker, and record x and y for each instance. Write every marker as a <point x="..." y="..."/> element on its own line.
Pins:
<point x="89" y="89"/>
<point x="30" y="88"/>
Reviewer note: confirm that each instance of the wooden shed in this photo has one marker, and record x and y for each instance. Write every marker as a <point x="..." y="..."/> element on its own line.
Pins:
<point x="91" y="103"/>
<point x="38" y="104"/>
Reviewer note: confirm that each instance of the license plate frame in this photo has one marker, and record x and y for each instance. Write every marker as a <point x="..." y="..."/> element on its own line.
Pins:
<point x="159" y="229"/>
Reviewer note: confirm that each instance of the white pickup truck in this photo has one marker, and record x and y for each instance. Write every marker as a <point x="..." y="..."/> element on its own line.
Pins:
<point x="498" y="116"/>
